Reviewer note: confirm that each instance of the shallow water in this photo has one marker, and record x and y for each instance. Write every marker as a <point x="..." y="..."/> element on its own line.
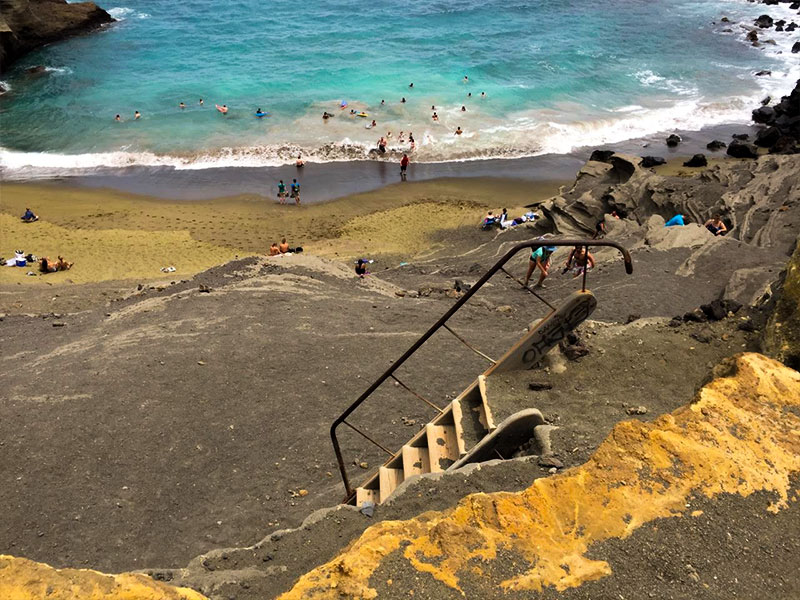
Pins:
<point x="557" y="75"/>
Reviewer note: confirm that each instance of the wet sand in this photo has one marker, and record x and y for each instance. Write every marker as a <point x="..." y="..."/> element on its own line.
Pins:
<point x="326" y="181"/>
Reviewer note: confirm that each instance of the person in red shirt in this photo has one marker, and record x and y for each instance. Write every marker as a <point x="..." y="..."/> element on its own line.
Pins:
<point x="404" y="166"/>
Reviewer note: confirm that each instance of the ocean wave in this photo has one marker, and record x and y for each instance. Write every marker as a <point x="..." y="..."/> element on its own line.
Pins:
<point x="121" y="13"/>
<point x="4" y="87"/>
<point x="527" y="134"/>
<point x="59" y="70"/>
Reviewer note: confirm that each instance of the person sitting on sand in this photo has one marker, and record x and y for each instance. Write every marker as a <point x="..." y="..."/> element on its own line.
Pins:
<point x="716" y="226"/>
<point x="284" y="247"/>
<point x="459" y="131"/>
<point x="299" y="162"/>
<point x="540" y="258"/>
<point x="361" y="267"/>
<point x="676" y="220"/>
<point x="274" y="250"/>
<point x="488" y="221"/>
<point x="579" y="260"/>
<point x="29" y="216"/>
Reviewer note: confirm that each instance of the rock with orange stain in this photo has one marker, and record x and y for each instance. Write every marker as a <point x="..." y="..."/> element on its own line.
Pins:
<point x="741" y="434"/>
<point x="23" y="579"/>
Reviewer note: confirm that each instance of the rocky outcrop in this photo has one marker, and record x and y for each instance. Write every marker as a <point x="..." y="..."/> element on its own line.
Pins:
<point x="782" y="132"/>
<point x="735" y="438"/>
<point x="782" y="334"/>
<point x="21" y="578"/>
<point x="28" y="24"/>
<point x="698" y="160"/>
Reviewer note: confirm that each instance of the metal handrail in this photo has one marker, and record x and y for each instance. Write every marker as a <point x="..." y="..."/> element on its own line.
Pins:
<point x="454" y="309"/>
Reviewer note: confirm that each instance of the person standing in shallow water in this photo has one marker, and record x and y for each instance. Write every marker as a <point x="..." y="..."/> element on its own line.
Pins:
<point x="404" y="167"/>
<point x="281" y="192"/>
<point x="295" y="193"/>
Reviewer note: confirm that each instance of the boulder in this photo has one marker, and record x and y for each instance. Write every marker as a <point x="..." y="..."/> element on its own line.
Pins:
<point x="766" y="138"/>
<point x="601" y="155"/>
<point x="782" y="333"/>
<point x="698" y="160"/>
<point x="790" y="27"/>
<point x="739" y="149"/>
<point x="764" y="22"/>
<point x="785" y="145"/>
<point x="741" y="136"/>
<point x="715" y="145"/>
<point x="763" y="73"/>
<point x="649" y="162"/>
<point x="763" y="114"/>
<point x="752" y="36"/>
<point x="796" y="48"/>
<point x="673" y="140"/>
<point x="28" y="24"/>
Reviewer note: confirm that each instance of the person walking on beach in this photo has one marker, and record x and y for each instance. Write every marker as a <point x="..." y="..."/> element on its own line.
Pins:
<point x="540" y="258"/>
<point x="404" y="166"/>
<point x="295" y="193"/>
<point x="281" y="192"/>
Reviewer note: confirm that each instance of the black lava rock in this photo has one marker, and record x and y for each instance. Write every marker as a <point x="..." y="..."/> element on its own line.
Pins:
<point x="739" y="149"/>
<point x="652" y="161"/>
<point x="601" y="155"/>
<point x="767" y="138"/>
<point x="715" y="145"/>
<point x="673" y="140"/>
<point x="698" y="160"/>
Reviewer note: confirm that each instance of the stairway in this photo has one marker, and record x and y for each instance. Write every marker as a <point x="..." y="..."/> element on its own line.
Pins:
<point x="465" y="430"/>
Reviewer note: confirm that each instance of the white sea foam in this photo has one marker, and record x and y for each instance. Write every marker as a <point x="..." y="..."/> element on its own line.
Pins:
<point x="122" y="13"/>
<point x="4" y="87"/>
<point x="59" y="70"/>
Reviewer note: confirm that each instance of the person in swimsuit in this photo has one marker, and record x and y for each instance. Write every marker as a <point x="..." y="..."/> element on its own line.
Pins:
<point x="435" y="117"/>
<point x="459" y="131"/>
<point x="383" y="102"/>
<point x="716" y="226"/>
<point x="118" y="119"/>
<point x="281" y="192"/>
<point x="579" y="261"/>
<point x="463" y="108"/>
<point x="382" y="145"/>
<point x="411" y="85"/>
<point x="295" y="192"/>
<point x="274" y="250"/>
<point x="403" y="101"/>
<point x="201" y="102"/>
<point x="284" y="247"/>
<point x="540" y="258"/>
<point x="404" y="166"/>
<point x="411" y="140"/>
<point x="137" y="115"/>
<point x="182" y="105"/>
<point x="299" y="162"/>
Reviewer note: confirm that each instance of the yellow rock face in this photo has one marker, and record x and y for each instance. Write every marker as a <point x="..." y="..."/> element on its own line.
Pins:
<point x="23" y="579"/>
<point x="739" y="436"/>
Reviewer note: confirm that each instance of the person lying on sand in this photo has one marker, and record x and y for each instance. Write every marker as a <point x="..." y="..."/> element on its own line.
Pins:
<point x="274" y="250"/>
<point x="29" y="216"/>
<point x="716" y="226"/>
<point x="284" y="247"/>
<point x="579" y="260"/>
<point x="48" y="266"/>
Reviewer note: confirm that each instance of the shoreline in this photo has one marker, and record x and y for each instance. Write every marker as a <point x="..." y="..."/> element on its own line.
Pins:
<point x="322" y="182"/>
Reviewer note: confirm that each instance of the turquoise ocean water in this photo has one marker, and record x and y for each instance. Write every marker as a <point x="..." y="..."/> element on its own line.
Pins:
<point x="557" y="74"/>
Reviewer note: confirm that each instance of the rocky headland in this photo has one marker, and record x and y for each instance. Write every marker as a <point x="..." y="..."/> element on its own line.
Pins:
<point x="28" y="24"/>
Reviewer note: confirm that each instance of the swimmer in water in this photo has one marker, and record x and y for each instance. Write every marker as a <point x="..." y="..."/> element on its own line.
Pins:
<point x="469" y="95"/>
<point x="433" y="107"/>
<point x="137" y="115"/>
<point x="411" y="140"/>
<point x="388" y="135"/>
<point x="201" y="102"/>
<point x="401" y="138"/>
<point x="459" y="131"/>
<point x="383" y="102"/>
<point x="326" y="115"/>
<point x="483" y="94"/>
<point x="299" y="162"/>
<point x="118" y="119"/>
<point x="466" y="79"/>
<point x="403" y="101"/>
<point x="223" y="109"/>
<point x="435" y="117"/>
<point x="411" y="85"/>
<point x="182" y="105"/>
<point x="463" y="109"/>
<point x="373" y="124"/>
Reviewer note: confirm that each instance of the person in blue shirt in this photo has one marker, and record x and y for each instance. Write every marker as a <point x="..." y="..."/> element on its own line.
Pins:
<point x="29" y="216"/>
<point x="676" y="220"/>
<point x="540" y="257"/>
<point x="295" y="193"/>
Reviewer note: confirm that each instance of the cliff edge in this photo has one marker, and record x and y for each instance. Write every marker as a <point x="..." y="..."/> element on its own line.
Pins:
<point x="28" y="24"/>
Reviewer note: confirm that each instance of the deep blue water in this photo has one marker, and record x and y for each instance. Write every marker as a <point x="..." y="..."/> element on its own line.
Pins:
<point x="556" y="73"/>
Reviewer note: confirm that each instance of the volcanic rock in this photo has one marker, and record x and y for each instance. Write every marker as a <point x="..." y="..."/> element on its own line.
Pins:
<point x="715" y="145"/>
<point x="652" y="161"/>
<point x="698" y="160"/>
<point x="673" y="140"/>
<point x="739" y="149"/>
